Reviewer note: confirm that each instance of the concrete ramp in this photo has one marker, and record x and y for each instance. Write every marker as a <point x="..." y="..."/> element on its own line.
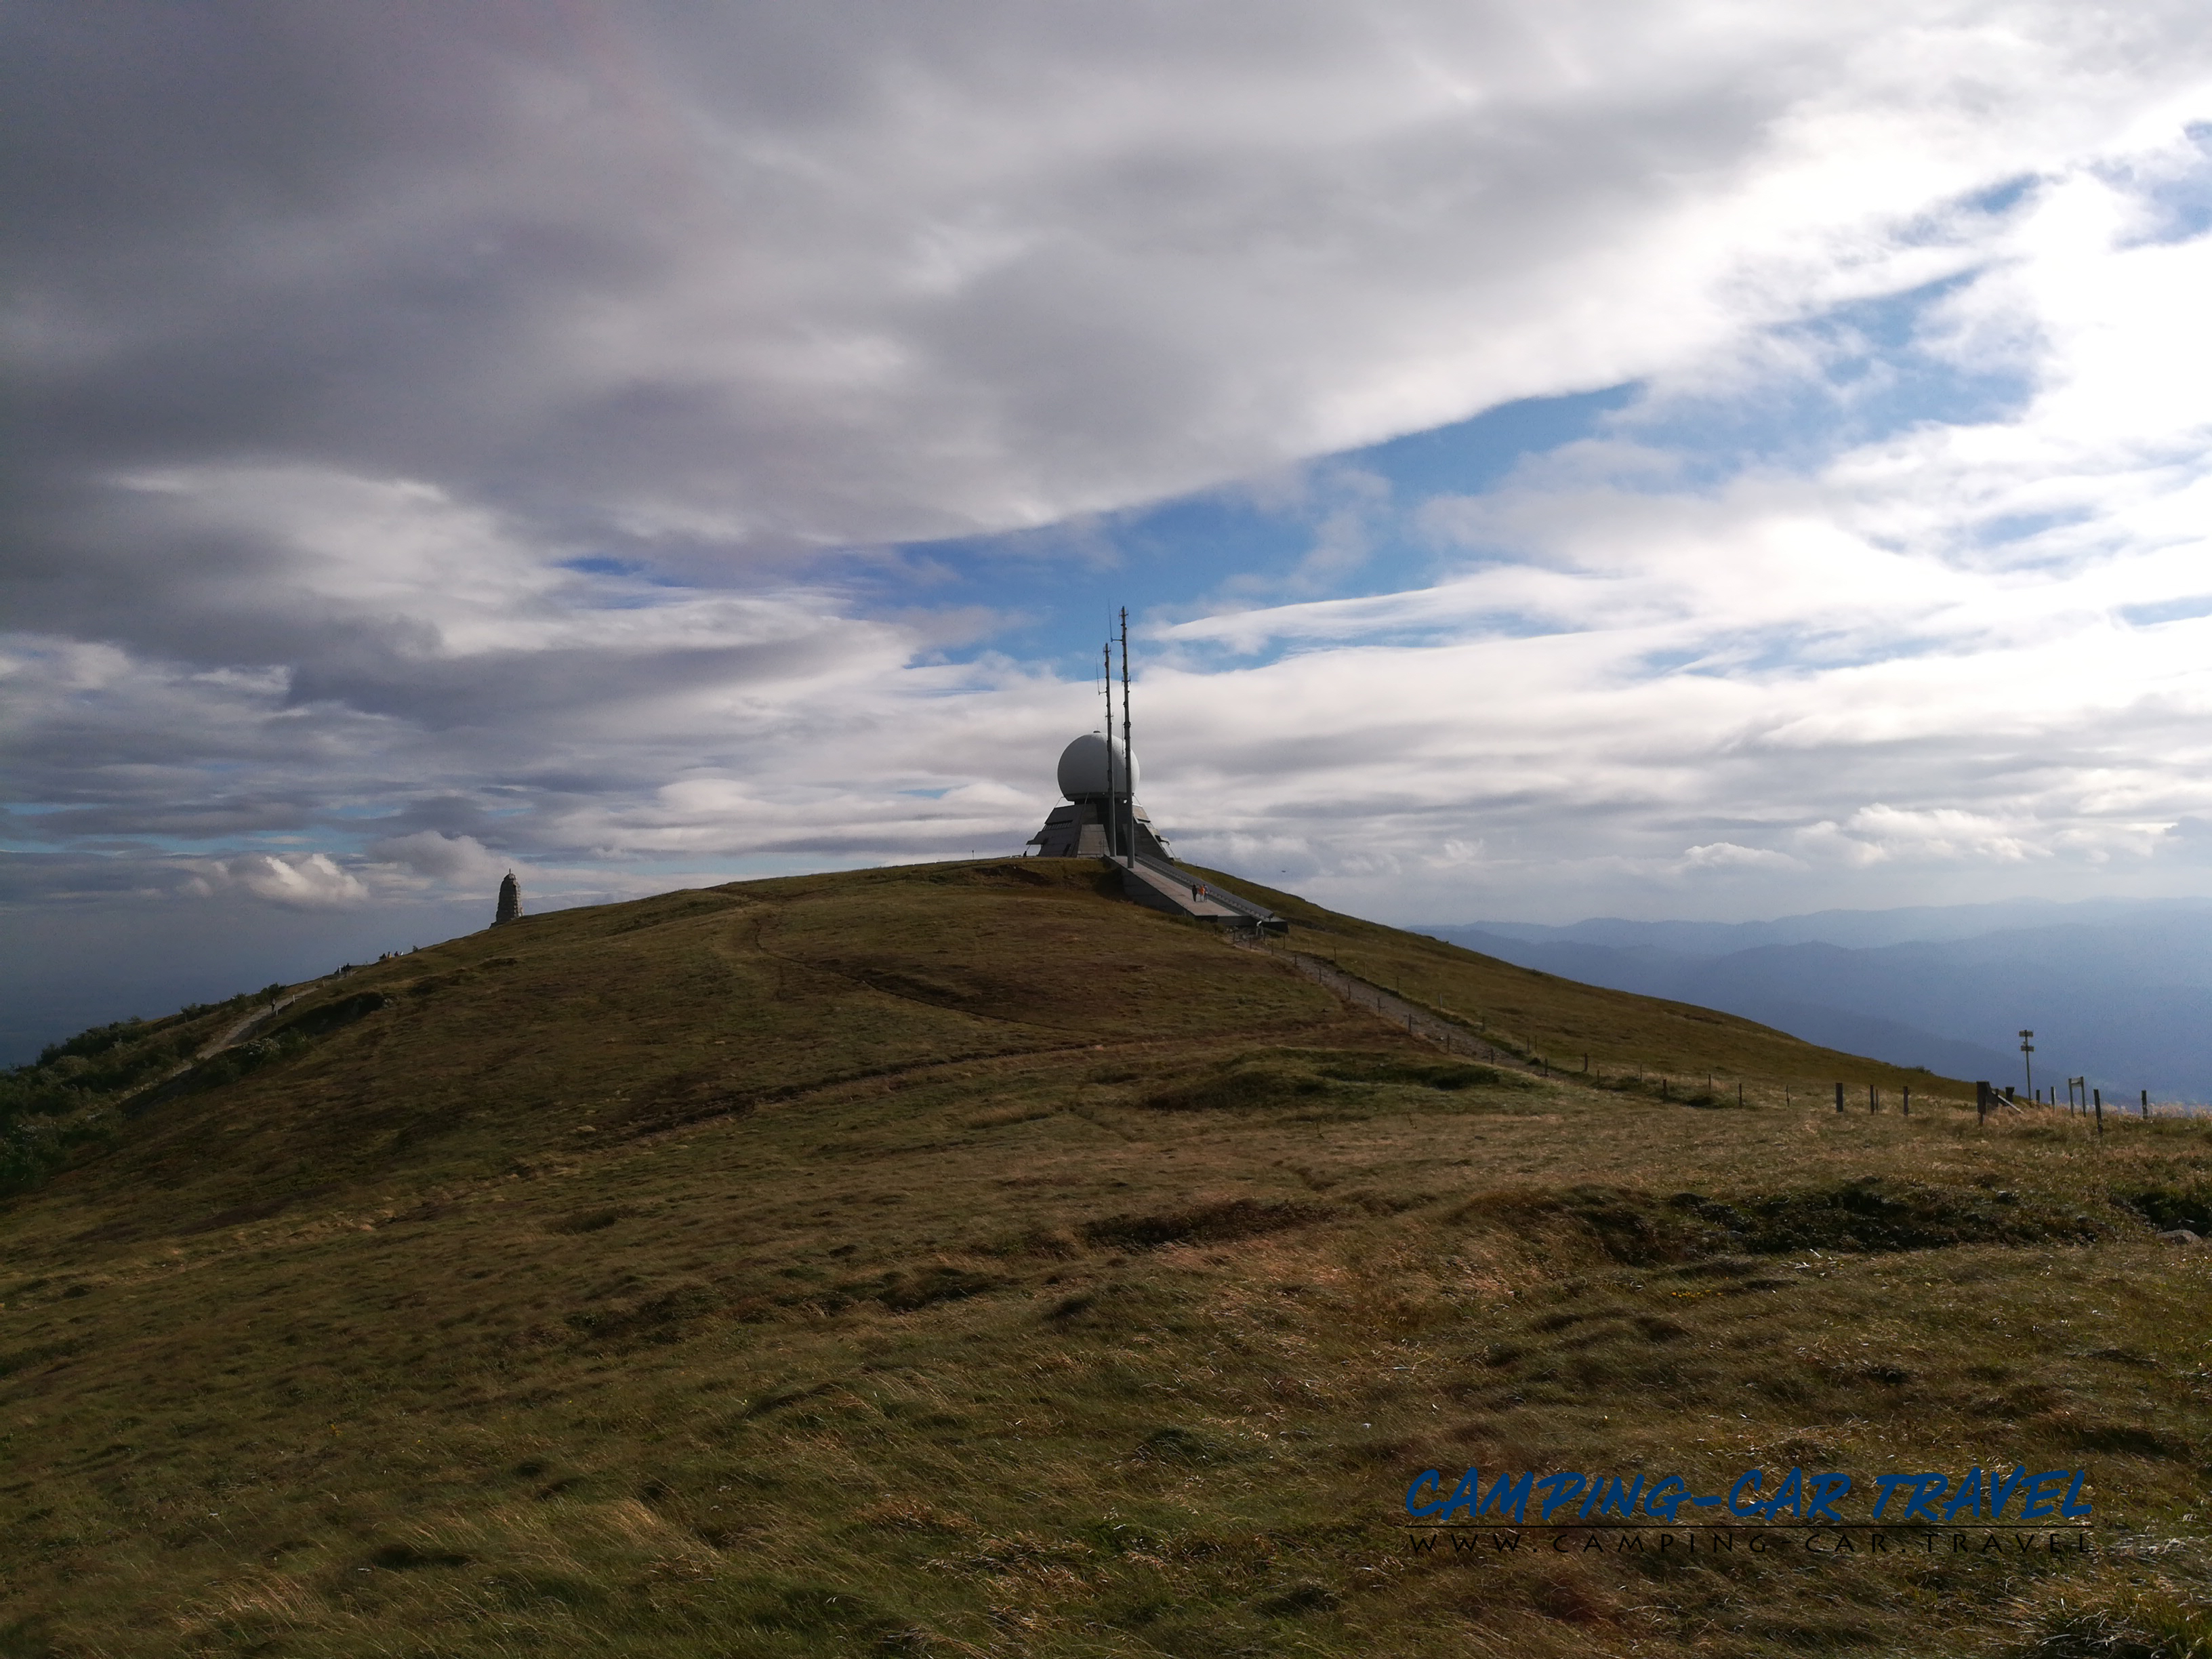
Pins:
<point x="1163" y="886"/>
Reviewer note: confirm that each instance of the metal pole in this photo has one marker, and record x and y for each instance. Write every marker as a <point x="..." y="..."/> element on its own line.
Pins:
<point x="1128" y="754"/>
<point x="1113" y="826"/>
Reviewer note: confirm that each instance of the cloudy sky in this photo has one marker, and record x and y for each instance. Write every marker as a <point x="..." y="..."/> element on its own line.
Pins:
<point x="1678" y="458"/>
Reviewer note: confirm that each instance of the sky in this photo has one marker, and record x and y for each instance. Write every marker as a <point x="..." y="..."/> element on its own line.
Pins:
<point x="1681" y="458"/>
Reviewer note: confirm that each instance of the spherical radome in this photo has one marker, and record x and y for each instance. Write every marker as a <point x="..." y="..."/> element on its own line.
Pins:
<point x="1083" y="767"/>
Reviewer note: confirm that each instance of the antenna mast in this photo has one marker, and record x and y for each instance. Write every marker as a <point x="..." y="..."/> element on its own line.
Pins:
<point x="1128" y="754"/>
<point x="1112" y="834"/>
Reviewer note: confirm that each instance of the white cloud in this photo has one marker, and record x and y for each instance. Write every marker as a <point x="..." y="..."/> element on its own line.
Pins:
<point x="1940" y="651"/>
<point x="306" y="881"/>
<point x="1879" y="831"/>
<point x="1455" y="851"/>
<point x="848" y="275"/>
<point x="1727" y="855"/>
<point x="453" y="859"/>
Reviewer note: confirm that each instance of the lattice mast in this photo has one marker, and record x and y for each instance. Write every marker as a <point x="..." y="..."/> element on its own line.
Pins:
<point x="1128" y="754"/>
<point x="1113" y="810"/>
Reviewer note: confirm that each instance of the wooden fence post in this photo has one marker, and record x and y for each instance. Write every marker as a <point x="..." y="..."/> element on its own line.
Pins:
<point x="2100" y="1093"/>
<point x="1839" y="1096"/>
<point x="1908" y="1100"/>
<point x="1981" y="1103"/>
<point x="2146" y="1103"/>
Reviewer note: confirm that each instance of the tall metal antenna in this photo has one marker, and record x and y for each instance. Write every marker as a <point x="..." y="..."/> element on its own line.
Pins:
<point x="1113" y="831"/>
<point x="1128" y="754"/>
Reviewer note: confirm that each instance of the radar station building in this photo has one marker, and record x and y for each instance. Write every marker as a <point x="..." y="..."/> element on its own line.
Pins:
<point x="1100" y="785"/>
<point x="1103" y="819"/>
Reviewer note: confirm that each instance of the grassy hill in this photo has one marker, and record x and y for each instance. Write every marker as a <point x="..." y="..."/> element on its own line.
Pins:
<point x="961" y="1260"/>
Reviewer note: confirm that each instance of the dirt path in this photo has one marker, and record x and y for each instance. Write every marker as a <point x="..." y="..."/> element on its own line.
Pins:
<point x="1414" y="1019"/>
<point x="215" y="1045"/>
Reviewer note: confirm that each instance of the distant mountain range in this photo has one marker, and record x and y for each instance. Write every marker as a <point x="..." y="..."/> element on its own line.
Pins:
<point x="2118" y="991"/>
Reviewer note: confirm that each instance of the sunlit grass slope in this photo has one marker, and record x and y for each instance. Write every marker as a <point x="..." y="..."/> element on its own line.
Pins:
<point x="1571" y="1026"/>
<point x="963" y="1260"/>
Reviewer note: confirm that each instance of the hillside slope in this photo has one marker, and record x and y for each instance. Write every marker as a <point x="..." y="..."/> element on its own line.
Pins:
<point x="2121" y="995"/>
<point x="960" y="1259"/>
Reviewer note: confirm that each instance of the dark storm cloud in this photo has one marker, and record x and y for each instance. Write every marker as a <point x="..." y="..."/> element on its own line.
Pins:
<point x="725" y="283"/>
<point x="152" y="812"/>
<point x="766" y="276"/>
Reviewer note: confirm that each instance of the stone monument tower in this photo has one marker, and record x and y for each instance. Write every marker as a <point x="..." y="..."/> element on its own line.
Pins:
<point x="510" y="901"/>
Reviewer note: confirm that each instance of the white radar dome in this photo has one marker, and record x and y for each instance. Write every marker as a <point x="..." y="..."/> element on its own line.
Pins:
<point x="1083" y="769"/>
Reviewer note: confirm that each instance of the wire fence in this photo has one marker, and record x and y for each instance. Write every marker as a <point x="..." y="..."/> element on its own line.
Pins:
<point x="1445" y="1031"/>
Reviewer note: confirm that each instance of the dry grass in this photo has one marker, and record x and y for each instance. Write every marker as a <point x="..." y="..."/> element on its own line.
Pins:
<point x="1638" y="1044"/>
<point x="959" y="1261"/>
